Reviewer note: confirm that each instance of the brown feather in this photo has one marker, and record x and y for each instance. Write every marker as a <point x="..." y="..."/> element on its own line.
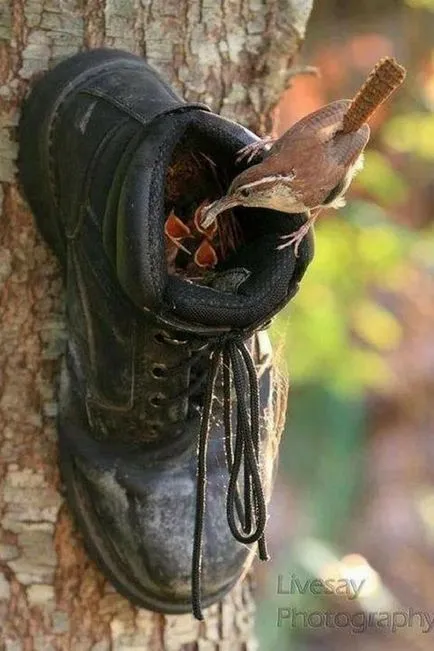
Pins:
<point x="314" y="151"/>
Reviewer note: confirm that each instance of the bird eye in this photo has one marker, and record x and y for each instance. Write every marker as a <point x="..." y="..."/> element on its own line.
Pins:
<point x="244" y="192"/>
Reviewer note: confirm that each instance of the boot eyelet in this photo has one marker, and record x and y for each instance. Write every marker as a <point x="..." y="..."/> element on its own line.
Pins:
<point x="160" y="338"/>
<point x="156" y="400"/>
<point x="159" y="371"/>
<point x="153" y="432"/>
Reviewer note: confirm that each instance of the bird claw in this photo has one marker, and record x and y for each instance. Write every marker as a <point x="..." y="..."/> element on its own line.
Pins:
<point x="295" y="238"/>
<point x="254" y="148"/>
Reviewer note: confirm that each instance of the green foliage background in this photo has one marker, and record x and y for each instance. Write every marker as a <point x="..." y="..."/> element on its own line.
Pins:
<point x="340" y="329"/>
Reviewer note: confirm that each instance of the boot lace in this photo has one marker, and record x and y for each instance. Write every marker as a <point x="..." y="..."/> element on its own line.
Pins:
<point x="246" y="510"/>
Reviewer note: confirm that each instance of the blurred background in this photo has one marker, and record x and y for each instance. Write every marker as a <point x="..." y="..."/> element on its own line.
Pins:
<point x="355" y="493"/>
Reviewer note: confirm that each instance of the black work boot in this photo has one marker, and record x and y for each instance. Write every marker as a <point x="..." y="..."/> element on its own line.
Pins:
<point x="168" y="416"/>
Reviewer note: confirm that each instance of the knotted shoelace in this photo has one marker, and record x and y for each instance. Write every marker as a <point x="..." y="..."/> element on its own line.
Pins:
<point x="246" y="510"/>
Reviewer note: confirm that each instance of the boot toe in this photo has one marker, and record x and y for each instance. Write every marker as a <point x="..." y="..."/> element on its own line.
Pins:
<point x="138" y="526"/>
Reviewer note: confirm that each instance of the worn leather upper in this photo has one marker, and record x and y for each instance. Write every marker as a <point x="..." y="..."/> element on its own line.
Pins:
<point x="130" y="401"/>
<point x="118" y="142"/>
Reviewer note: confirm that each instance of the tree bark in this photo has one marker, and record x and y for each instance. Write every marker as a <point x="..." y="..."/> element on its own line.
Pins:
<point x="234" y="55"/>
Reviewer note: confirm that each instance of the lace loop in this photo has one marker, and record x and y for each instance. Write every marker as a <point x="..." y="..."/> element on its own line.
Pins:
<point x="246" y="511"/>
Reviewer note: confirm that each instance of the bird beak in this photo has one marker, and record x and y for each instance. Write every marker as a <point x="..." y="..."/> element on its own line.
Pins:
<point x="210" y="213"/>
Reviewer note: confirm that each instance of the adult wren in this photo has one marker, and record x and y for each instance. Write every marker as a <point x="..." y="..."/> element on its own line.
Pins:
<point x="311" y="165"/>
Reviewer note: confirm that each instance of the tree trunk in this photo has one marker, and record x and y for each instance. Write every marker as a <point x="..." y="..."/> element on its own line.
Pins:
<point x="233" y="55"/>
